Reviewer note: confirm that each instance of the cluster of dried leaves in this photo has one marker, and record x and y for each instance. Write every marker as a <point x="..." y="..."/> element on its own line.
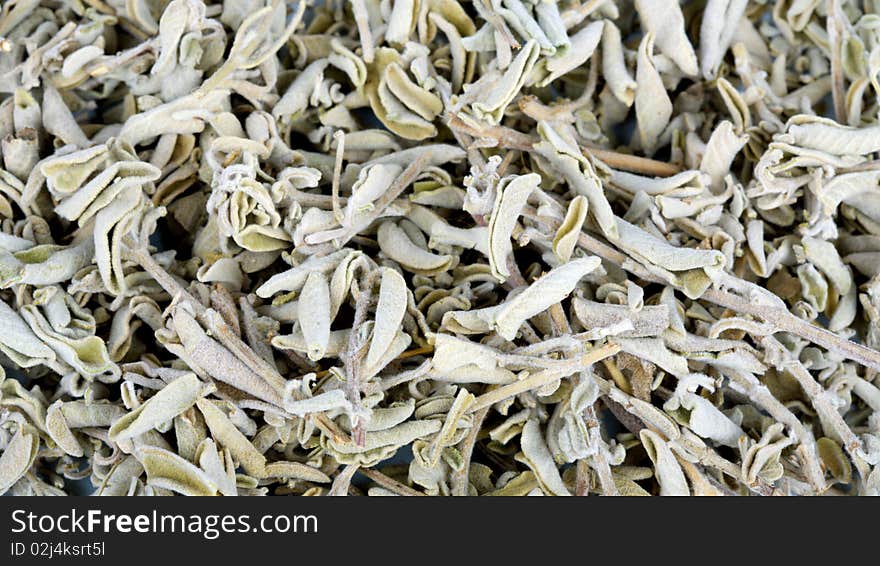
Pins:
<point x="494" y="247"/>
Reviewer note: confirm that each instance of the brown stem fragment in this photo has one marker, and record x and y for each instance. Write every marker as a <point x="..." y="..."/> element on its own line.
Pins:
<point x="461" y="478"/>
<point x="390" y="483"/>
<point x="512" y="139"/>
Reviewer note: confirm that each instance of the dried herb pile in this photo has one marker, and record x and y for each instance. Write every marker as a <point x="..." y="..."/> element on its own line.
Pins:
<point x="440" y="247"/>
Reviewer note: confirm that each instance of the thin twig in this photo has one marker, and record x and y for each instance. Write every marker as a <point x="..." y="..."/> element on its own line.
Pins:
<point x="873" y="165"/>
<point x="633" y="163"/>
<point x="787" y="322"/>
<point x="541" y="378"/>
<point x="574" y="16"/>
<point x="339" y="136"/>
<point x="582" y="478"/>
<point x="599" y="460"/>
<point x="352" y="359"/>
<point x="784" y="320"/>
<point x="834" y="28"/>
<point x="342" y="481"/>
<point x="400" y="184"/>
<point x="389" y="483"/>
<point x="512" y="139"/>
<point x="617" y="376"/>
<point x="761" y="395"/>
<point x="497" y="22"/>
<point x="705" y="455"/>
<point x="222" y="331"/>
<point x="416" y="352"/>
<point x="461" y="478"/>
<point x="832" y="421"/>
<point x="781" y="318"/>
<point x="225" y="335"/>
<point x="508" y="159"/>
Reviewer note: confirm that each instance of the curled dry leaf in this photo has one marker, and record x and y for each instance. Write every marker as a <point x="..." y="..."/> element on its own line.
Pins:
<point x="18" y="456"/>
